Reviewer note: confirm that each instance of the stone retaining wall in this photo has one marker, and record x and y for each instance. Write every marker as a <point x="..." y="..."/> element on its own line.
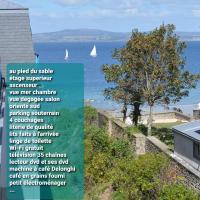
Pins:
<point x="166" y="117"/>
<point x="116" y="129"/>
<point x="142" y="144"/>
<point x="188" y="175"/>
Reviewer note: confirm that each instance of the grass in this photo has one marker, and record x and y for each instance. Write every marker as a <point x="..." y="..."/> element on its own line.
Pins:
<point x="133" y="130"/>
<point x="162" y="131"/>
<point x="167" y="125"/>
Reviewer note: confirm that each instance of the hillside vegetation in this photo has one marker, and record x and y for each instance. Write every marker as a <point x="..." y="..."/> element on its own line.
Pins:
<point x="111" y="166"/>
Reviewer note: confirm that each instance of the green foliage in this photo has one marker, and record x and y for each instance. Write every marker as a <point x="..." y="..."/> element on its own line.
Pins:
<point x="133" y="130"/>
<point x="96" y="164"/>
<point x="90" y="130"/>
<point x="88" y="151"/>
<point x="110" y="162"/>
<point x="119" y="148"/>
<point x="95" y="191"/>
<point x="123" y="90"/>
<point x="156" y="60"/>
<point x="100" y="141"/>
<point x="151" y="70"/>
<point x="101" y="153"/>
<point x="119" y="195"/>
<point x="167" y="125"/>
<point x="99" y="167"/>
<point x="177" y="192"/>
<point x="162" y="132"/>
<point x="165" y="135"/>
<point x="68" y="119"/>
<point x="139" y="178"/>
<point x="90" y="114"/>
<point x="96" y="147"/>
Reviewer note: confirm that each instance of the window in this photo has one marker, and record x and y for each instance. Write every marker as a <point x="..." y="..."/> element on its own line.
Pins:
<point x="196" y="150"/>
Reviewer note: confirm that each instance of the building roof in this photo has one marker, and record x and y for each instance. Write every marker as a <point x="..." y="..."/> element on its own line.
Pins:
<point x="8" y="5"/>
<point x="16" y="44"/>
<point x="191" y="130"/>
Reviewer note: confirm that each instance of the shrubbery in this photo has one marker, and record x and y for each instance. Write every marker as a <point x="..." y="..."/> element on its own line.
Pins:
<point x="110" y="162"/>
<point x="90" y="115"/>
<point x="139" y="178"/>
<point x="163" y="134"/>
<point x="177" y="192"/>
<point x="101" y="153"/>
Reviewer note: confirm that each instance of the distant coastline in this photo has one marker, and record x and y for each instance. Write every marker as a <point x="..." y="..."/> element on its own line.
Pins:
<point x="95" y="35"/>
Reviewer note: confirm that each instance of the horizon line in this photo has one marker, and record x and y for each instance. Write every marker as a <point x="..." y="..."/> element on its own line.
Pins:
<point x="76" y="29"/>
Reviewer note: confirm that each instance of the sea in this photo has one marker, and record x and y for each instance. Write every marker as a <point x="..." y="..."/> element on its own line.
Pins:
<point x="79" y="52"/>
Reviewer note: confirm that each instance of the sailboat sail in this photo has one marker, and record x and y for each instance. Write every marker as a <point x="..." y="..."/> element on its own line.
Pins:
<point x="94" y="52"/>
<point x="66" y="55"/>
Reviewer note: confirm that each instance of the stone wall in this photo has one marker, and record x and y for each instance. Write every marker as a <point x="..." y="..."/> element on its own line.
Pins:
<point x="188" y="175"/>
<point x="168" y="117"/>
<point x="116" y="129"/>
<point x="103" y="119"/>
<point x="142" y="144"/>
<point x="151" y="147"/>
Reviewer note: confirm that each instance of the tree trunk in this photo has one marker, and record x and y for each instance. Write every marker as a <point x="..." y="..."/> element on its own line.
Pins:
<point x="136" y="113"/>
<point x="150" y="120"/>
<point x="124" y="112"/>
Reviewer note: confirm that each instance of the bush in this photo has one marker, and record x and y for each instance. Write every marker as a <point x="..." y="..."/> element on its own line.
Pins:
<point x="132" y="130"/>
<point x="88" y="151"/>
<point x="110" y="162"/>
<point x="139" y="178"/>
<point x="100" y="141"/>
<point x="97" y="155"/>
<point x="90" y="115"/>
<point x="120" y="148"/>
<point x="100" y="165"/>
<point x="137" y="129"/>
<point x="119" y="196"/>
<point x="177" y="192"/>
<point x="163" y="134"/>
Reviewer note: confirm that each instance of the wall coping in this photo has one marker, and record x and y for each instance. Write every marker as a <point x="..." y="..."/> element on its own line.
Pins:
<point x="104" y="113"/>
<point x="170" y="112"/>
<point x="139" y="135"/>
<point x="185" y="165"/>
<point x="165" y="149"/>
<point x="162" y="146"/>
<point x="110" y="117"/>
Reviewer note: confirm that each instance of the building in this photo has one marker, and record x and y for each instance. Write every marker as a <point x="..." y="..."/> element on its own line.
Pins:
<point x="196" y="114"/>
<point x="187" y="143"/>
<point x="16" y="44"/>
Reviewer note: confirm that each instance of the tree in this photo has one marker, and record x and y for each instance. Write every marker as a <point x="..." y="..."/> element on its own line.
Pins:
<point x="122" y="89"/>
<point x="156" y="61"/>
<point x="119" y="91"/>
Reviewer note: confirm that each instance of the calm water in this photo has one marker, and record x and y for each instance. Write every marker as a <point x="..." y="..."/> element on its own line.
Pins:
<point x="94" y="79"/>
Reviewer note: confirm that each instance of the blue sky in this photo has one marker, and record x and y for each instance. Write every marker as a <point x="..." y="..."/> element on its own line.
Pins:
<point x="112" y="15"/>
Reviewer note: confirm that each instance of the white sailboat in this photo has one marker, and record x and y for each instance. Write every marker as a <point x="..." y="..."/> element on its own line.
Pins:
<point x="94" y="52"/>
<point x="66" y="55"/>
